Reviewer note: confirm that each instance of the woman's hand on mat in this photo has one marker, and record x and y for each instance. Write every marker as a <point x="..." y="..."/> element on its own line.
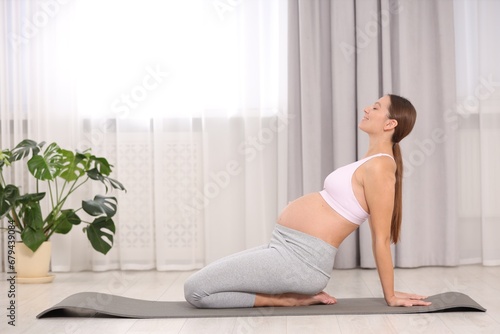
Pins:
<point x="407" y="299"/>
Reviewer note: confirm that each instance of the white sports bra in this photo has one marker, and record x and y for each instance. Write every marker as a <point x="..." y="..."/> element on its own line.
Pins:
<point x="338" y="192"/>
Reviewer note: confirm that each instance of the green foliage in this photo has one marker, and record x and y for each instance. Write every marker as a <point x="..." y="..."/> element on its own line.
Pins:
<point x="100" y="234"/>
<point x="64" y="172"/>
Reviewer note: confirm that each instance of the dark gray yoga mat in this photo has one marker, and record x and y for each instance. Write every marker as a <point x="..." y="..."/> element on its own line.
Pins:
<point x="93" y="304"/>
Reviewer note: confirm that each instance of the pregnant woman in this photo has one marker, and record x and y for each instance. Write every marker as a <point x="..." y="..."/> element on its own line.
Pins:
<point x="294" y="268"/>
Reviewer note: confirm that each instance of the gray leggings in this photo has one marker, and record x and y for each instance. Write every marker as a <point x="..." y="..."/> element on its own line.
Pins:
<point x="293" y="262"/>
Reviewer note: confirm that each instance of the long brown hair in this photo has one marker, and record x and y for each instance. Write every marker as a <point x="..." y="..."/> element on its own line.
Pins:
<point x="405" y="114"/>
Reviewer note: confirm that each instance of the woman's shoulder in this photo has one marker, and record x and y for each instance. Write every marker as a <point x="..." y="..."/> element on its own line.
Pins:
<point x="380" y="164"/>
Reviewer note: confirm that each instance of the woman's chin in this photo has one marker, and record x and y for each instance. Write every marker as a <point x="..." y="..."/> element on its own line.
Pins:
<point x="361" y="126"/>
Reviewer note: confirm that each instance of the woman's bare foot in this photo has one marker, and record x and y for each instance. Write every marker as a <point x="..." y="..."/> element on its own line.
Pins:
<point x="293" y="299"/>
<point x="324" y="298"/>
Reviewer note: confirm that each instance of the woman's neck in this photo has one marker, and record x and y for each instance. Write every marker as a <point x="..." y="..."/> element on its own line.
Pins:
<point x="379" y="145"/>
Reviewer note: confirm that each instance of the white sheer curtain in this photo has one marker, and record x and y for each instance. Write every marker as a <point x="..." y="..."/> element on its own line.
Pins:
<point x="186" y="100"/>
<point x="478" y="129"/>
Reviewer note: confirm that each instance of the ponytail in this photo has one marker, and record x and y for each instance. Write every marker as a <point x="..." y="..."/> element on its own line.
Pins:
<point x="403" y="111"/>
<point x="397" y="215"/>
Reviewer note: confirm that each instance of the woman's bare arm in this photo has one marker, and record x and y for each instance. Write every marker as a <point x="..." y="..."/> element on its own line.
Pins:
<point x="379" y="185"/>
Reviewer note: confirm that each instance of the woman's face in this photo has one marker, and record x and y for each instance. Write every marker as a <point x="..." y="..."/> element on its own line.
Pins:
<point x="376" y="116"/>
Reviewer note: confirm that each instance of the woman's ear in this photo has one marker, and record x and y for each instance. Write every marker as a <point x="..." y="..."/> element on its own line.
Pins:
<point x="390" y="124"/>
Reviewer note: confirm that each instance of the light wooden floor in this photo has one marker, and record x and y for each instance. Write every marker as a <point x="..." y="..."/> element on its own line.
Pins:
<point x="481" y="283"/>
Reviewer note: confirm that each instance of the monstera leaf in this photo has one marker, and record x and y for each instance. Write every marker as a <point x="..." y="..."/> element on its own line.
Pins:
<point x="47" y="166"/>
<point x="94" y="174"/>
<point x="8" y="197"/>
<point x="32" y="234"/>
<point x="100" y="234"/>
<point x="5" y="156"/>
<point x="24" y="148"/>
<point x="100" y="205"/>
<point x="64" y="221"/>
<point x="33" y="238"/>
<point x="71" y="166"/>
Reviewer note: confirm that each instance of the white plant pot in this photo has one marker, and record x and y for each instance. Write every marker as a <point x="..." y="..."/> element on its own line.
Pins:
<point x="33" y="267"/>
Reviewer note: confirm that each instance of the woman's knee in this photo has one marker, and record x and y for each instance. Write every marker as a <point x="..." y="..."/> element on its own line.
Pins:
<point x="307" y="283"/>
<point x="192" y="291"/>
<point x="317" y="283"/>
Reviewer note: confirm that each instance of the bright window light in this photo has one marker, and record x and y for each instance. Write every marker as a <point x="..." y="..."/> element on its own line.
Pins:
<point x="157" y="58"/>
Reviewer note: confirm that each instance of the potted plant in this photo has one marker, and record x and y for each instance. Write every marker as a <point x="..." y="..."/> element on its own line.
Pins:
<point x="61" y="173"/>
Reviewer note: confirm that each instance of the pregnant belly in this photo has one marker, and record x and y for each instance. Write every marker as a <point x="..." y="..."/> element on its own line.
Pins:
<point x="312" y="215"/>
